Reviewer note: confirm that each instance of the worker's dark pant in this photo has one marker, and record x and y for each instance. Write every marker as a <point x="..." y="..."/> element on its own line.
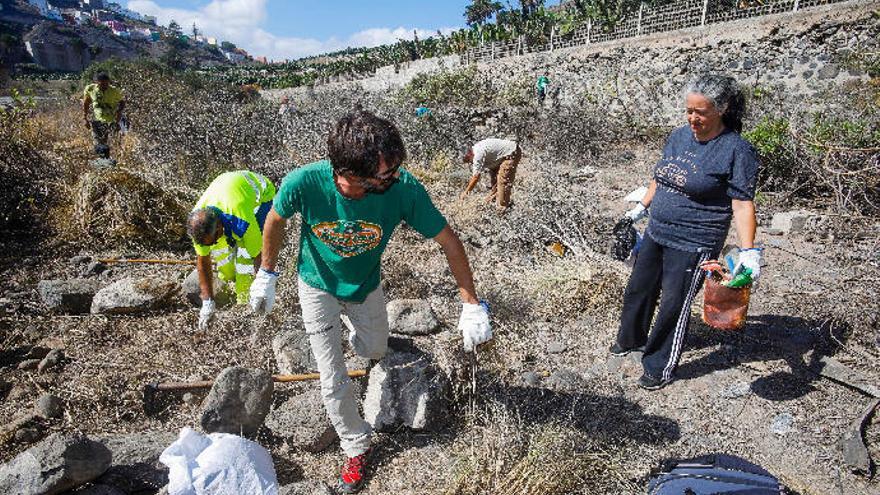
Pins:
<point x="101" y="135"/>
<point x="671" y="276"/>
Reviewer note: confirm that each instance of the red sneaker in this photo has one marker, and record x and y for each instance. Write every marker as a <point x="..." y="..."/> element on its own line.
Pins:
<point x="351" y="480"/>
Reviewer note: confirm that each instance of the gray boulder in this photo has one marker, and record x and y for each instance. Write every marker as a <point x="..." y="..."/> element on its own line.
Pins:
<point x="53" y="359"/>
<point x="293" y="354"/>
<point x="412" y="317"/>
<point x="301" y="421"/>
<point x="136" y="467"/>
<point x="133" y="295"/>
<point x="49" y="406"/>
<point x="57" y="464"/>
<point x="193" y="293"/>
<point x="68" y="296"/>
<point x="305" y="487"/>
<point x="238" y="402"/>
<point x="791" y="222"/>
<point x="406" y="389"/>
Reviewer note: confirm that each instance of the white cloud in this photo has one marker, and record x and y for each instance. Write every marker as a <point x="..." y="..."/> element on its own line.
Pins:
<point x="239" y="21"/>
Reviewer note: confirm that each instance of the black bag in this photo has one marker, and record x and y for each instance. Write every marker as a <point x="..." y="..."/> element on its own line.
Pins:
<point x="713" y="474"/>
<point x="624" y="239"/>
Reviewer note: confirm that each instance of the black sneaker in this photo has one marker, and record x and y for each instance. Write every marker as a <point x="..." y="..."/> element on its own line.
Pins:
<point x="620" y="351"/>
<point x="649" y="382"/>
<point x="354" y="471"/>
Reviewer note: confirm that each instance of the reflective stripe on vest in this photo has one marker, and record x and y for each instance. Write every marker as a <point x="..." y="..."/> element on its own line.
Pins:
<point x="258" y="192"/>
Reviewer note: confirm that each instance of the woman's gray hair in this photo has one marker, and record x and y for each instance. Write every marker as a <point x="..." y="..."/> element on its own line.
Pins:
<point x="202" y="223"/>
<point x="725" y="94"/>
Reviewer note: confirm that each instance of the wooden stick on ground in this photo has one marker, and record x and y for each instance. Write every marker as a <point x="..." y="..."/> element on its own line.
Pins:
<point x="151" y="261"/>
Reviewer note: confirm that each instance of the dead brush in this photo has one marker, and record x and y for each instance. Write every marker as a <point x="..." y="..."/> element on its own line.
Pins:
<point x="505" y="455"/>
<point x="118" y="207"/>
<point x="575" y="285"/>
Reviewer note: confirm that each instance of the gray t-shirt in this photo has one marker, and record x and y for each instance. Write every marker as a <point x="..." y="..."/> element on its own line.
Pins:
<point x="489" y="153"/>
<point x="696" y="181"/>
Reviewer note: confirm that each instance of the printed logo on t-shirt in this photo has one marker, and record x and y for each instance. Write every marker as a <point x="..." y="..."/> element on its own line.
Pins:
<point x="348" y="238"/>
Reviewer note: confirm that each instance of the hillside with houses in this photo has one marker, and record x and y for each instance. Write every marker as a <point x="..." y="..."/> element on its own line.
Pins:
<point x="58" y="36"/>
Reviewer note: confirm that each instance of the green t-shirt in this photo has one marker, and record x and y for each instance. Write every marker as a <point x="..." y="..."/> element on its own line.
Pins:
<point x="542" y="83"/>
<point x="341" y="240"/>
<point x="104" y="103"/>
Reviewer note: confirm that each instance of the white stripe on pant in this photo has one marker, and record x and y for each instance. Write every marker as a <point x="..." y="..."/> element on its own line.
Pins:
<point x="368" y="334"/>
<point x="682" y="323"/>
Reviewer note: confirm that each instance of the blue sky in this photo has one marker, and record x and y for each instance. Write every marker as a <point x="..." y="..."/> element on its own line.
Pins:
<point x="288" y="29"/>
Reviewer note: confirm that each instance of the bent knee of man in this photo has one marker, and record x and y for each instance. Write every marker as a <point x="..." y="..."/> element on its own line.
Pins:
<point x="375" y="349"/>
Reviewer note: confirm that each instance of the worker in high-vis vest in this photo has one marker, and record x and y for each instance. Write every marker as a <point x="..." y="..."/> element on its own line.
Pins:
<point x="226" y="226"/>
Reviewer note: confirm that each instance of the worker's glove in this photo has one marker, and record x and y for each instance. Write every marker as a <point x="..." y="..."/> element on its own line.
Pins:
<point x="263" y="292"/>
<point x="749" y="258"/>
<point x="474" y="325"/>
<point x="637" y="213"/>
<point x="206" y="314"/>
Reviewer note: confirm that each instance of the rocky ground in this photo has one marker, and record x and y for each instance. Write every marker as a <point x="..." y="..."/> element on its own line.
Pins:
<point x="543" y="409"/>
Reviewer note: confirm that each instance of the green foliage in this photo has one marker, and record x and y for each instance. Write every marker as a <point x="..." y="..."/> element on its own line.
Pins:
<point x="836" y="132"/>
<point x="227" y="46"/>
<point x="769" y="136"/>
<point x="462" y="87"/>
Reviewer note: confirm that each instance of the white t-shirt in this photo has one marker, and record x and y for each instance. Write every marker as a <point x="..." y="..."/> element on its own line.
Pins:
<point x="489" y="153"/>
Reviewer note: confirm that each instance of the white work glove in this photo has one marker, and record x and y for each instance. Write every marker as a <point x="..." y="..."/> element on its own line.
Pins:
<point x="751" y="259"/>
<point x="263" y="292"/>
<point x="474" y="325"/>
<point x="637" y="213"/>
<point x="206" y="314"/>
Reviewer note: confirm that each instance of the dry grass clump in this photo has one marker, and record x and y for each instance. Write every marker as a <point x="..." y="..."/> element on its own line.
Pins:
<point x="509" y="456"/>
<point x="117" y="207"/>
<point x="569" y="287"/>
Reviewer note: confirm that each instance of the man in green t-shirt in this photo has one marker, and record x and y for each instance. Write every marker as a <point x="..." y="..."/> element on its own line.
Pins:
<point x="102" y="111"/>
<point x="349" y="206"/>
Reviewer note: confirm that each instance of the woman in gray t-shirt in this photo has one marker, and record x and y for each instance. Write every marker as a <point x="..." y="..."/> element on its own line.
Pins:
<point x="705" y="179"/>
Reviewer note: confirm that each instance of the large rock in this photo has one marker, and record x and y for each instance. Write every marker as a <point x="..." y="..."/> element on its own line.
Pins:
<point x="57" y="464"/>
<point x="293" y="354"/>
<point x="301" y="421"/>
<point x="136" y="467"/>
<point x="238" y="402"/>
<point x="406" y="389"/>
<point x="133" y="295"/>
<point x="68" y="296"/>
<point x="412" y="317"/>
<point x="193" y="293"/>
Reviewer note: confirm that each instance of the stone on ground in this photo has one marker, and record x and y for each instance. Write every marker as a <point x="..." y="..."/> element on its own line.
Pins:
<point x="68" y="296"/>
<point x="412" y="317"/>
<point x="49" y="406"/>
<point x="406" y="389"/>
<point x="790" y="222"/>
<point x="238" y="402"/>
<point x="133" y="295"/>
<point x="293" y="354"/>
<point x="136" y="467"/>
<point x="305" y="487"/>
<point x="302" y="422"/>
<point x="193" y="293"/>
<point x="53" y="359"/>
<point x="57" y="464"/>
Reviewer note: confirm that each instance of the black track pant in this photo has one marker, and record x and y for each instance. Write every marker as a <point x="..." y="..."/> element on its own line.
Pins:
<point x="673" y="277"/>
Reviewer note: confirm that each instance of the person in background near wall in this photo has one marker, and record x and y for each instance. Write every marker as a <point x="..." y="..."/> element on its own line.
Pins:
<point x="227" y="224"/>
<point x="541" y="88"/>
<point x="102" y="111"/>
<point x="286" y="107"/>
<point x="498" y="157"/>
<point x="349" y="207"/>
<point x="705" y="178"/>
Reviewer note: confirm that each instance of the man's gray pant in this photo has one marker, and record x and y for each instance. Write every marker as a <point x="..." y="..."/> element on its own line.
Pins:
<point x="367" y="324"/>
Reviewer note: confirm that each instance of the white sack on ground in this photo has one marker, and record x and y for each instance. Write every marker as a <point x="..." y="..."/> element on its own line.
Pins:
<point x="218" y="464"/>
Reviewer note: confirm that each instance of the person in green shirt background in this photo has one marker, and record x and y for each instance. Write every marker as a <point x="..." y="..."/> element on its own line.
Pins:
<point x="102" y="111"/>
<point x="350" y="206"/>
<point x="226" y="225"/>
<point x="541" y="88"/>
